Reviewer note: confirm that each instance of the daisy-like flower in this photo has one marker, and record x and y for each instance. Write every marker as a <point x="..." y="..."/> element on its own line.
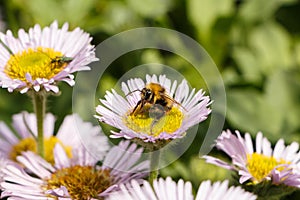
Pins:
<point x="155" y="110"/>
<point x="24" y="124"/>
<point x="76" y="178"/>
<point x="169" y="189"/>
<point x="276" y="166"/>
<point x="42" y="57"/>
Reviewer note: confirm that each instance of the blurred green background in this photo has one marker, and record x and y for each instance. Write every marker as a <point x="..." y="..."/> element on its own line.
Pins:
<point x="254" y="43"/>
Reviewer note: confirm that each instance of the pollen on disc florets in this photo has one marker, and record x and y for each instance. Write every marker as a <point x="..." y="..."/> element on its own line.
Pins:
<point x="39" y="63"/>
<point x="29" y="144"/>
<point x="260" y="165"/>
<point x="82" y="182"/>
<point x="143" y="122"/>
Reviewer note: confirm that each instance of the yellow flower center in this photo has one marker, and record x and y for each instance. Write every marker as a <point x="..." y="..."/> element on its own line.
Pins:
<point x="82" y="182"/>
<point x="147" y="123"/>
<point x="29" y="144"/>
<point x="261" y="166"/>
<point x="39" y="63"/>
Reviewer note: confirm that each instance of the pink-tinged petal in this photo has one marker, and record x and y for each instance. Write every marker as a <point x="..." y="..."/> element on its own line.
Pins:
<point x="28" y="77"/>
<point x="59" y="192"/>
<point x="291" y="151"/>
<point x="37" y="88"/>
<point x="23" y="91"/>
<point x="167" y="189"/>
<point x="245" y="176"/>
<point x="38" y="166"/>
<point x="218" y="162"/>
<point x="7" y="134"/>
<point x="68" y="131"/>
<point x="49" y="123"/>
<point x="25" y="123"/>
<point x="259" y="138"/>
<point x="60" y="157"/>
<point x="232" y="146"/>
<point x="266" y="147"/>
<point x="278" y="149"/>
<point x="248" y="143"/>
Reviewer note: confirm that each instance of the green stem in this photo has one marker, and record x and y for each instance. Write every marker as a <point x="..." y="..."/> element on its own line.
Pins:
<point x="39" y="102"/>
<point x="154" y="163"/>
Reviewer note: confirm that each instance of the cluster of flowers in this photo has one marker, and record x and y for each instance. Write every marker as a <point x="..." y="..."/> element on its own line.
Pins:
<point x="37" y="163"/>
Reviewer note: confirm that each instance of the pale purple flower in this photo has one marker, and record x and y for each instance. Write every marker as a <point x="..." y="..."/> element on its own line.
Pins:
<point x="164" y="189"/>
<point x="259" y="162"/>
<point x="43" y="56"/>
<point x="68" y="135"/>
<point x="77" y="178"/>
<point x="190" y="108"/>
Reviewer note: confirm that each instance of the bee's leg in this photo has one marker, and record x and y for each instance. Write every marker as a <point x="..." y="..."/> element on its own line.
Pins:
<point x="140" y="103"/>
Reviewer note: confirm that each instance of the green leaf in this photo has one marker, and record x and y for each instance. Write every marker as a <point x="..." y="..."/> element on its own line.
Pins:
<point x="204" y="13"/>
<point x="249" y="112"/>
<point x="282" y="93"/>
<point x="271" y="45"/>
<point x="71" y="11"/>
<point x="150" y="8"/>
<point x="248" y="64"/>
<point x="275" y="112"/>
<point x="257" y="10"/>
<point x="117" y="17"/>
<point x="268" y="49"/>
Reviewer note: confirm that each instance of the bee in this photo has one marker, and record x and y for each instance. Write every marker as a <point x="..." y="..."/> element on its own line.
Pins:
<point x="154" y="101"/>
<point x="60" y="60"/>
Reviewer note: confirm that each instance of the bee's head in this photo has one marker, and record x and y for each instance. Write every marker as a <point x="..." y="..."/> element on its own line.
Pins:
<point x="146" y="93"/>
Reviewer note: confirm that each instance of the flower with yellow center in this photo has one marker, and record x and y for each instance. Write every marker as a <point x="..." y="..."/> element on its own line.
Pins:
<point x="260" y="166"/>
<point x="139" y="116"/>
<point x="77" y="178"/>
<point x="264" y="164"/>
<point x="42" y="57"/>
<point x="12" y="145"/>
<point x="29" y="144"/>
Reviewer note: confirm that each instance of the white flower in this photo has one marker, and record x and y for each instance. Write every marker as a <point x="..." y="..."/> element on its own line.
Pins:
<point x="77" y="178"/>
<point x="188" y="109"/>
<point x="68" y="135"/>
<point x="259" y="162"/>
<point x="42" y="57"/>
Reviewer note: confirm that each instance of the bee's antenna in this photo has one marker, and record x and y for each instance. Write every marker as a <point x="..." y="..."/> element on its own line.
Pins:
<point x="132" y="92"/>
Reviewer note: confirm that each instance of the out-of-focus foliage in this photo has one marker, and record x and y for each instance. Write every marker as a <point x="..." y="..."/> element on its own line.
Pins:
<point x="254" y="43"/>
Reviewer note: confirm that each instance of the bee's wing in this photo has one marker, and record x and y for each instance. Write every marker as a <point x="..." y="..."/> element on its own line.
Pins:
<point x="173" y="100"/>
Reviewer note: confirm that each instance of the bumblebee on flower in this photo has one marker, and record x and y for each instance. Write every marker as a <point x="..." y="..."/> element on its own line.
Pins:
<point x="154" y="110"/>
